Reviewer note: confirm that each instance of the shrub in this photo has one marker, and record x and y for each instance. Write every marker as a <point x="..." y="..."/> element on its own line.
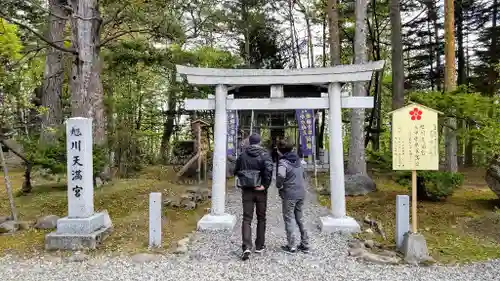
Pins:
<point x="432" y="185"/>
<point x="381" y="160"/>
<point x="53" y="156"/>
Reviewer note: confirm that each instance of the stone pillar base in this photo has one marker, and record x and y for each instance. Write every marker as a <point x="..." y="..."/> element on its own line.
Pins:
<point x="79" y="233"/>
<point x="217" y="222"/>
<point x="345" y="225"/>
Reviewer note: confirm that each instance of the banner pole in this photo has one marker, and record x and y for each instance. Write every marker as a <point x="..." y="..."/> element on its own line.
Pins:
<point x="251" y="123"/>
<point x="236" y="142"/>
<point x="314" y="151"/>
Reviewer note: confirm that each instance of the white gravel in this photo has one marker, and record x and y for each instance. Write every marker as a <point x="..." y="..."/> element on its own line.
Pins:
<point x="215" y="256"/>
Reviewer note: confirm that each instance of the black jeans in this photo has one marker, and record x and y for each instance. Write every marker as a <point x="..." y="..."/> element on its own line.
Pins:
<point x="250" y="199"/>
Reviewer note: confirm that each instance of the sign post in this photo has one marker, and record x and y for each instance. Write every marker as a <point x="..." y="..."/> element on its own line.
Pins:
<point x="415" y="145"/>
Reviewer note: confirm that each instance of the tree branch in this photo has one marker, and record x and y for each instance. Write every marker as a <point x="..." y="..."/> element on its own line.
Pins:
<point x="27" y="53"/>
<point x="120" y="34"/>
<point x="40" y="36"/>
<point x="414" y="18"/>
<point x="115" y="16"/>
<point x="18" y="154"/>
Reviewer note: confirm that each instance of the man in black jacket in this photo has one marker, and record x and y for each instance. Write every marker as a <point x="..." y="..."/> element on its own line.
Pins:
<point x="254" y="170"/>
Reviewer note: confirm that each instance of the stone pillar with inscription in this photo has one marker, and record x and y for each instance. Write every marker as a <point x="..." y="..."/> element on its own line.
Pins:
<point x="82" y="228"/>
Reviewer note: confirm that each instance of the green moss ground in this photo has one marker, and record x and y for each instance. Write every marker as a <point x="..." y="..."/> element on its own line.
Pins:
<point x="126" y="201"/>
<point x="464" y="228"/>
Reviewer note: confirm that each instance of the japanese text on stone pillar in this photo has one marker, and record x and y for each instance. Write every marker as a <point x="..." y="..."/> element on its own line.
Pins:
<point x="76" y="166"/>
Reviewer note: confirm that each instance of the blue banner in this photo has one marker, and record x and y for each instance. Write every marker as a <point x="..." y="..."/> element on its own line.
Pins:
<point x="232" y="132"/>
<point x="305" y="120"/>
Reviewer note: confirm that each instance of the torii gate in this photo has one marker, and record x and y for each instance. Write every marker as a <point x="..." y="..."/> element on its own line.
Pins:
<point x="276" y="78"/>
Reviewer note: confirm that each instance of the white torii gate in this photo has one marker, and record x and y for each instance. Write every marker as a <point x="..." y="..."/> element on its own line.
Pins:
<point x="276" y="78"/>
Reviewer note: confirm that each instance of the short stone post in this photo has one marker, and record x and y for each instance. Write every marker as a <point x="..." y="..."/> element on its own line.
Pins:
<point x="155" y="219"/>
<point x="402" y="218"/>
<point x="82" y="228"/>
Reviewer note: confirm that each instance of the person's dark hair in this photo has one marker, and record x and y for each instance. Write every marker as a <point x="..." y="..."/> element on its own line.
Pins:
<point x="285" y="145"/>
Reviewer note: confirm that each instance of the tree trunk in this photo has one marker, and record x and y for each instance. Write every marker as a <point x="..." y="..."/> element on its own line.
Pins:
<point x="373" y="132"/>
<point x="310" y="46"/>
<point x="450" y="85"/>
<point x="26" y="188"/>
<point x="33" y="113"/>
<point x="321" y="136"/>
<point x="357" y="162"/>
<point x="246" y="35"/>
<point x="292" y="36"/>
<point x="432" y="74"/>
<point x="333" y="28"/>
<point x="8" y="186"/>
<point x="309" y="39"/>
<point x="462" y="73"/>
<point x="297" y="46"/>
<point x="53" y="76"/>
<point x="469" y="147"/>
<point x="494" y="57"/>
<point x="87" y="97"/>
<point x="168" y="125"/>
<point x="433" y="11"/>
<point x="398" y="75"/>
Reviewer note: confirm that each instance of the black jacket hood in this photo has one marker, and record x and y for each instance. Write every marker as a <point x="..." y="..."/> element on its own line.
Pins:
<point x="254" y="150"/>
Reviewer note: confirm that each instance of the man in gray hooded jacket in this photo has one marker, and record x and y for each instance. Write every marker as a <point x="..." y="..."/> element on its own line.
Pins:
<point x="291" y="183"/>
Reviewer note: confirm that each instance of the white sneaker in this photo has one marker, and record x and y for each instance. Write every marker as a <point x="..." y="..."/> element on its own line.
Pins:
<point x="259" y="251"/>
<point x="246" y="255"/>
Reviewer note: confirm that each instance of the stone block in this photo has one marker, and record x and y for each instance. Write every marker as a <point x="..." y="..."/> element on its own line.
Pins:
<point x="63" y="241"/>
<point x="217" y="222"/>
<point x="344" y="225"/>
<point x="415" y="248"/>
<point x="80" y="225"/>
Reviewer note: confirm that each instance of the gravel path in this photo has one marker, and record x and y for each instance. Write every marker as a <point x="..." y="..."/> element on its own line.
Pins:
<point x="215" y="256"/>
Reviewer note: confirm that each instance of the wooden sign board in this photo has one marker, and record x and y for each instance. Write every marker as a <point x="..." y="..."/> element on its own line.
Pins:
<point x="415" y="142"/>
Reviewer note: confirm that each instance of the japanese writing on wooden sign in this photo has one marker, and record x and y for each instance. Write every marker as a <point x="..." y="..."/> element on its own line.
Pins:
<point x="415" y="138"/>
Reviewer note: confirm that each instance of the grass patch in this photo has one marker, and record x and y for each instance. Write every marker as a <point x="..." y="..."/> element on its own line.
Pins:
<point x="464" y="228"/>
<point x="126" y="200"/>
